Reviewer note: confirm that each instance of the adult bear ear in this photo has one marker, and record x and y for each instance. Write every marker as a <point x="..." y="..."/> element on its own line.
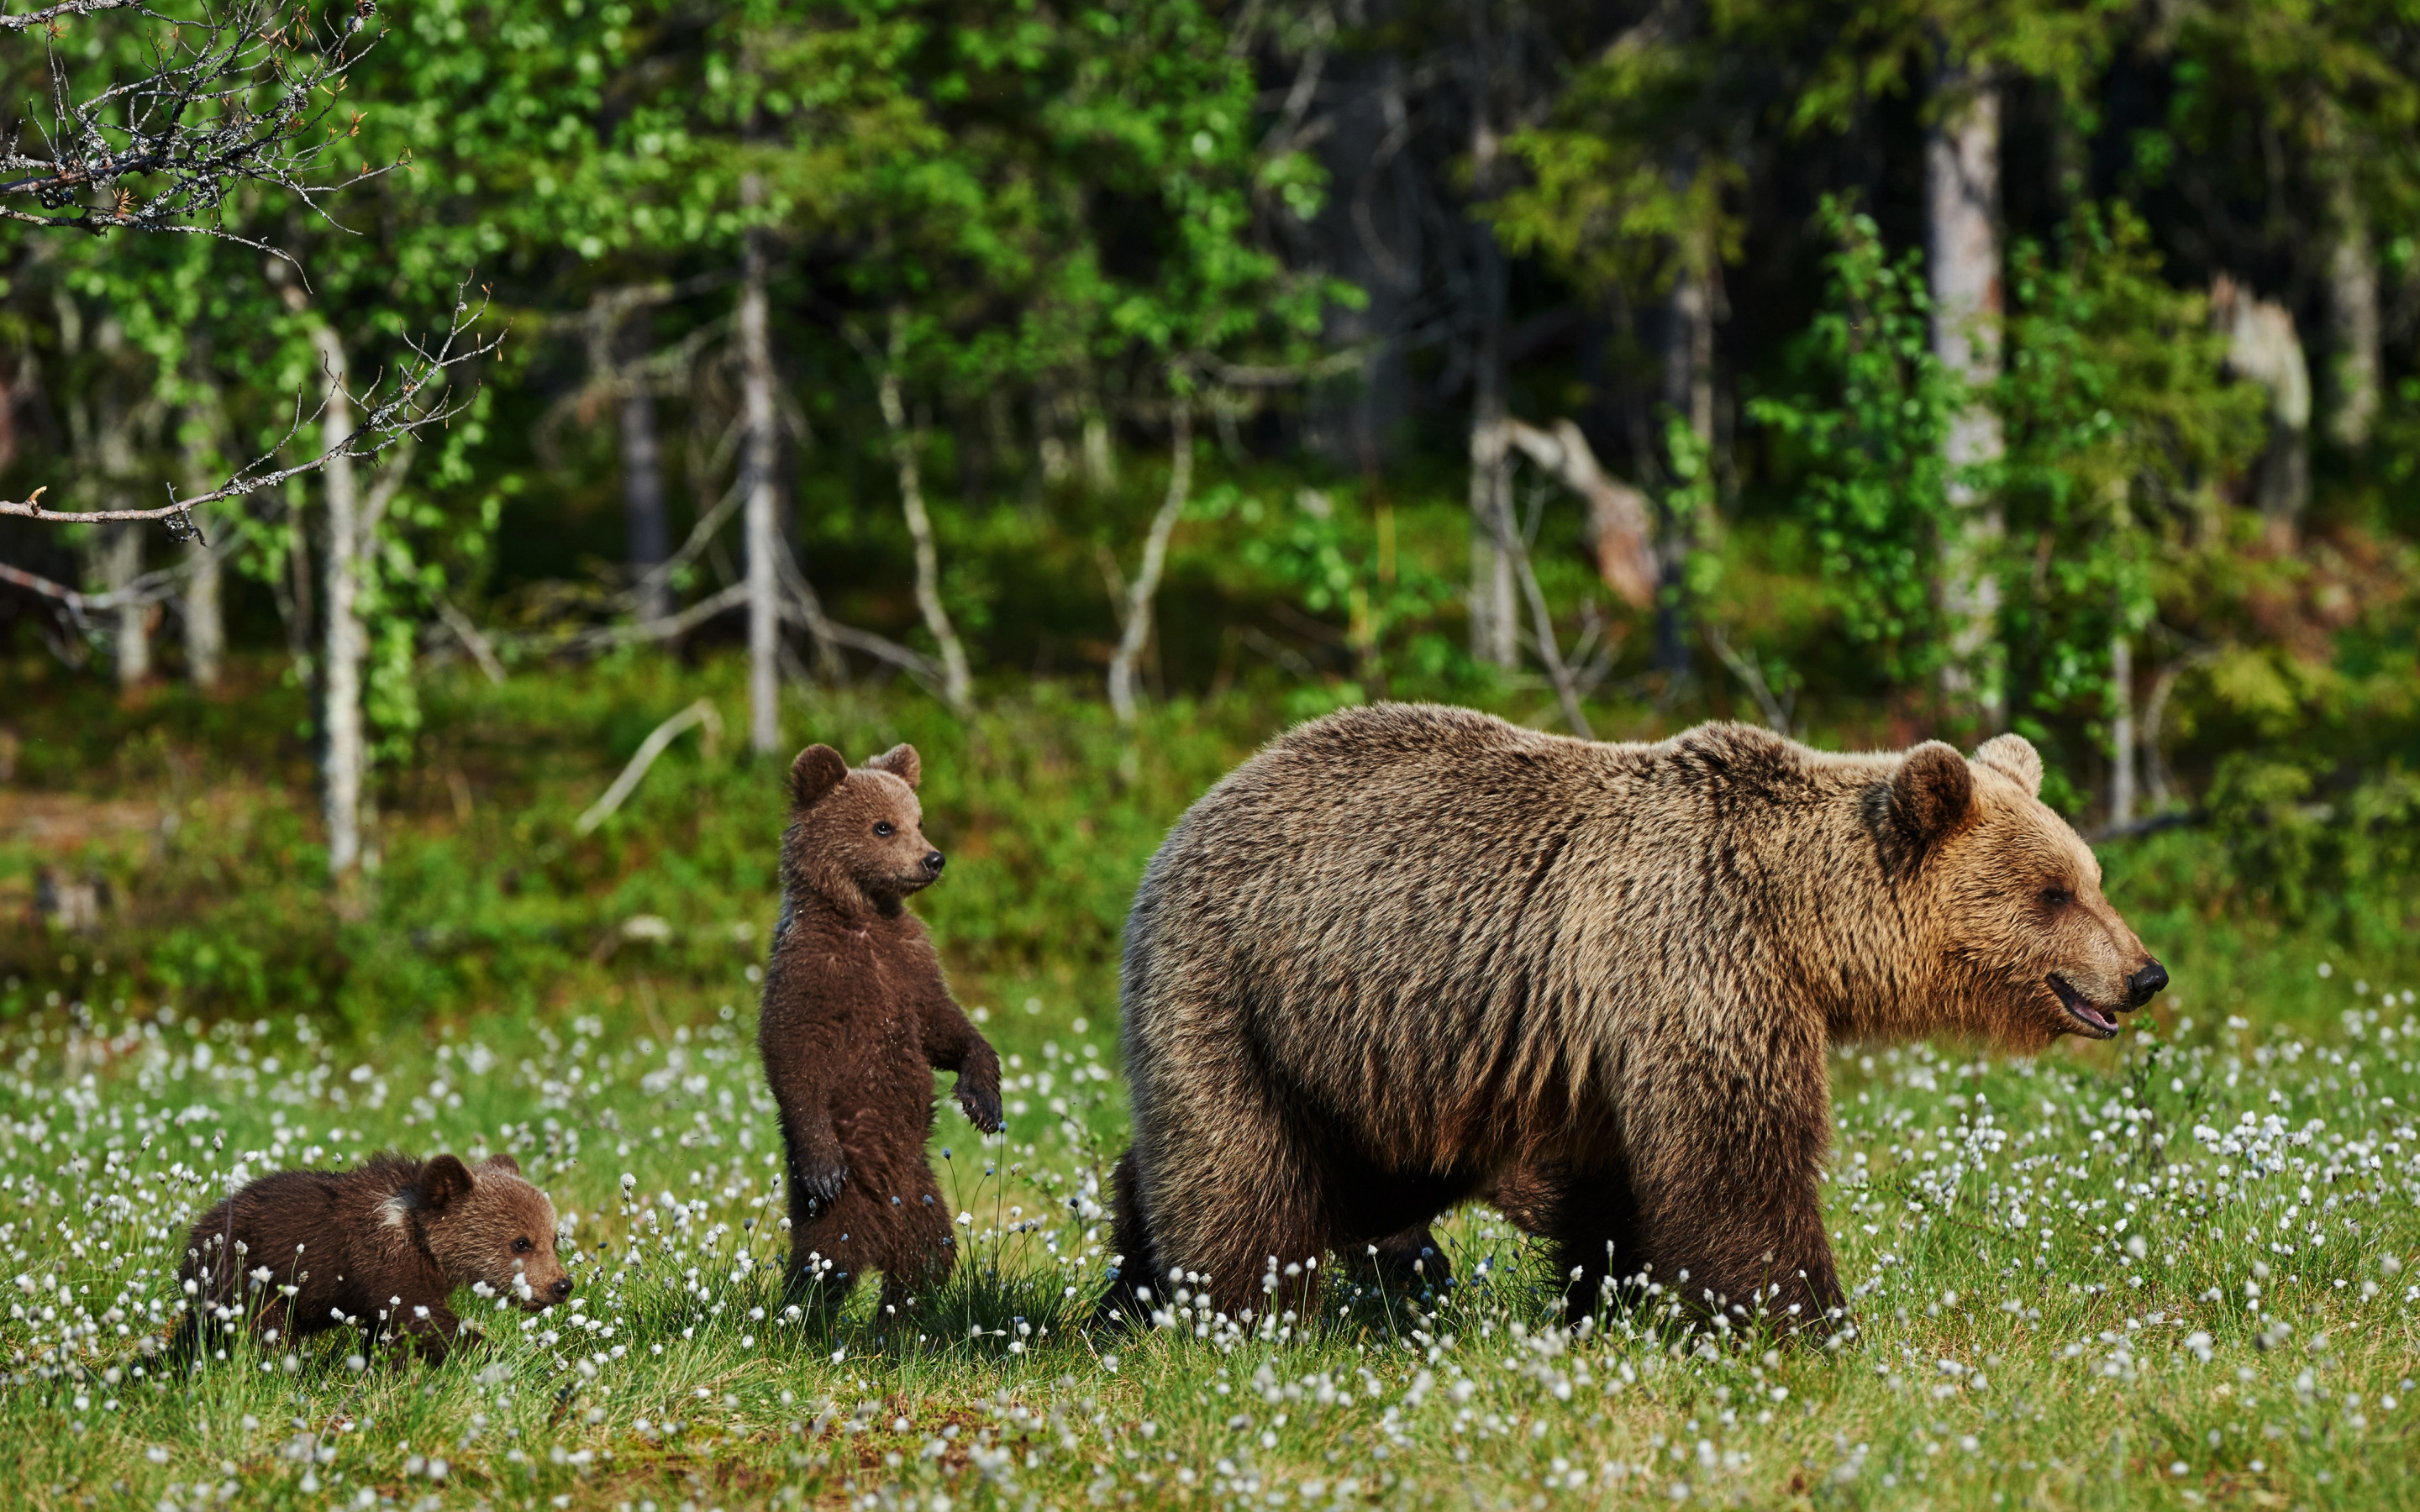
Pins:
<point x="502" y="1163"/>
<point x="900" y="763"/>
<point x="2015" y="758"/>
<point x="444" y="1181"/>
<point x="816" y="772"/>
<point x="1931" y="793"/>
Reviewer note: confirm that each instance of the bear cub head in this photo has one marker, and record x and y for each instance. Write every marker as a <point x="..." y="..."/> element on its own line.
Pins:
<point x="2033" y="948"/>
<point x="857" y="837"/>
<point x="488" y="1229"/>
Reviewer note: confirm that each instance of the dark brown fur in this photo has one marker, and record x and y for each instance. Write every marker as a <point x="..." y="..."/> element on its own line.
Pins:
<point x="379" y="1248"/>
<point x="856" y="1019"/>
<point x="1411" y="955"/>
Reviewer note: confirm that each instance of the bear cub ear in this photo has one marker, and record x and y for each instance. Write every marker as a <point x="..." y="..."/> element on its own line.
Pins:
<point x="2013" y="757"/>
<point x="1932" y="791"/>
<point x="900" y="763"/>
<point x="502" y="1163"/>
<point x="816" y="772"/>
<point x="444" y="1181"/>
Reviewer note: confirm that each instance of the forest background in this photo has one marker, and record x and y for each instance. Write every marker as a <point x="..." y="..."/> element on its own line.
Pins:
<point x="1134" y="373"/>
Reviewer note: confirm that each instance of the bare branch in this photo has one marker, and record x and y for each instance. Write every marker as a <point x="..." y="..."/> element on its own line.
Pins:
<point x="239" y="94"/>
<point x="418" y="400"/>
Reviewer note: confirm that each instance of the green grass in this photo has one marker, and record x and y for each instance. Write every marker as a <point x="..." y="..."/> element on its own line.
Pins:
<point x="2014" y="1344"/>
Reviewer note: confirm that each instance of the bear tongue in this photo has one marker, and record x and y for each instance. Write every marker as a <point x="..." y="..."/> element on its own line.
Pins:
<point x="2089" y="1013"/>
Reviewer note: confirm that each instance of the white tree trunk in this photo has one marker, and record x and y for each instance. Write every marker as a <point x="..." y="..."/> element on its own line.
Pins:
<point x="121" y="564"/>
<point x="1961" y="173"/>
<point x="642" y="502"/>
<point x="761" y="518"/>
<point x="121" y="547"/>
<point x="958" y="683"/>
<point x="1495" y="593"/>
<point x="2352" y="316"/>
<point x="205" y="616"/>
<point x="343" y="758"/>
<point x="1135" y="633"/>
<point x="2121" y="732"/>
<point x="1494" y="604"/>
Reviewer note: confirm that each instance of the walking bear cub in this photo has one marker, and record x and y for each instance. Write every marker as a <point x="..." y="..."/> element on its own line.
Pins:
<point x="1407" y="956"/>
<point x="856" y="1019"/>
<point x="379" y="1248"/>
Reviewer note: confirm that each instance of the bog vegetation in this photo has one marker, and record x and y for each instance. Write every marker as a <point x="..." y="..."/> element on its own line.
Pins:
<point x="1083" y="392"/>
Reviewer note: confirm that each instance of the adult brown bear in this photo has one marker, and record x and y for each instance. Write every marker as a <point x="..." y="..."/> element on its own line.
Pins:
<point x="1407" y="955"/>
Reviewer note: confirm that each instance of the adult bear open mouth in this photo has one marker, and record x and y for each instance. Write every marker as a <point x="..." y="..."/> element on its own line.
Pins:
<point x="2098" y="1022"/>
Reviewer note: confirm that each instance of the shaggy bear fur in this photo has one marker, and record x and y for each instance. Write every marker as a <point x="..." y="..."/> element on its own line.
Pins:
<point x="856" y="1019"/>
<point x="1410" y="955"/>
<point x="379" y="1248"/>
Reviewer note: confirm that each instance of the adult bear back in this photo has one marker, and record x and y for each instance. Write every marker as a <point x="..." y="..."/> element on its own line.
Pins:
<point x="1410" y="954"/>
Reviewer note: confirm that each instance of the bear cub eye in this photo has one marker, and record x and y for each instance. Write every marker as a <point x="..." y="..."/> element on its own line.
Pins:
<point x="882" y="828"/>
<point x="2056" y="897"/>
<point x="522" y="1246"/>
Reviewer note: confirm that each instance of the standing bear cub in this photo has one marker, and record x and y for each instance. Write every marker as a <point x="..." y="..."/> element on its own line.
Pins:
<point x="377" y="1249"/>
<point x="856" y="1019"/>
<point x="1411" y="955"/>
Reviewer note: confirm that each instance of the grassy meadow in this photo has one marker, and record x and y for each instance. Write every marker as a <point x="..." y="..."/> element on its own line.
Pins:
<point x="2181" y="1269"/>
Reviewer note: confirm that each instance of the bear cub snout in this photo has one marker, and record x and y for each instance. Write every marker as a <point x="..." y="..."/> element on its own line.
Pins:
<point x="857" y="1017"/>
<point x="377" y="1249"/>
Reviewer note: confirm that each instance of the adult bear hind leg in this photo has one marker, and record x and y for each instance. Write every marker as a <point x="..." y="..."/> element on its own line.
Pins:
<point x="1138" y="1279"/>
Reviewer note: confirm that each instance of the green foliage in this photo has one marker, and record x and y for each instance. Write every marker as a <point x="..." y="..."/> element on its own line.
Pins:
<point x="1325" y="552"/>
<point x="1876" y="484"/>
<point x="2118" y="424"/>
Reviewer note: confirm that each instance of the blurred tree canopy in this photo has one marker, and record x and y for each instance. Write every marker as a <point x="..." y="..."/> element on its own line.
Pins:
<point x="1337" y="346"/>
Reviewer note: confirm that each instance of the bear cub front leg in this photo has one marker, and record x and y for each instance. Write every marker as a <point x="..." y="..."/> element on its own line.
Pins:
<point x="951" y="1043"/>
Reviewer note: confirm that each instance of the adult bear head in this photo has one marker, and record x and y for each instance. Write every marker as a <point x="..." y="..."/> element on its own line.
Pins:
<point x="2006" y="897"/>
<point x="857" y="837"/>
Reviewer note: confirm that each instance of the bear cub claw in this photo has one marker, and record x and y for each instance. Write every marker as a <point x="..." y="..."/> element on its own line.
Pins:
<point x="981" y="1105"/>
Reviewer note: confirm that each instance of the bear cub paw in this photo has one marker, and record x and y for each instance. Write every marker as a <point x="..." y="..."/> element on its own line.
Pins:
<point x="979" y="1101"/>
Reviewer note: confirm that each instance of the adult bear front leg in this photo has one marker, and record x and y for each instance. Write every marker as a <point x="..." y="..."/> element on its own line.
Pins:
<point x="1727" y="1176"/>
<point x="1228" y="1188"/>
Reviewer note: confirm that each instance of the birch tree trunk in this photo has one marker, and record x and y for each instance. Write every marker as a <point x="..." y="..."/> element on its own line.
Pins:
<point x="1689" y="390"/>
<point x="202" y="600"/>
<point x="121" y="559"/>
<point x="2353" y="316"/>
<point x="642" y="502"/>
<point x="342" y="760"/>
<point x="121" y="547"/>
<point x="761" y="519"/>
<point x="1135" y="633"/>
<point x="1494" y="602"/>
<point x="957" y="682"/>
<point x="1961" y="173"/>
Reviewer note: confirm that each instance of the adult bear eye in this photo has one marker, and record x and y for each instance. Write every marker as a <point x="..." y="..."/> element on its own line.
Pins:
<point x="883" y="828"/>
<point x="2056" y="897"/>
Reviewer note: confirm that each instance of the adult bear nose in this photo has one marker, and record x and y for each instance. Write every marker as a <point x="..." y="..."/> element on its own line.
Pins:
<point x="934" y="862"/>
<point x="2141" y="984"/>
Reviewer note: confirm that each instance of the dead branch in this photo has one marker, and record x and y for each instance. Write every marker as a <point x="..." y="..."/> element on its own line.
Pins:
<point x="418" y="400"/>
<point x="247" y="94"/>
<point x="1625" y="555"/>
